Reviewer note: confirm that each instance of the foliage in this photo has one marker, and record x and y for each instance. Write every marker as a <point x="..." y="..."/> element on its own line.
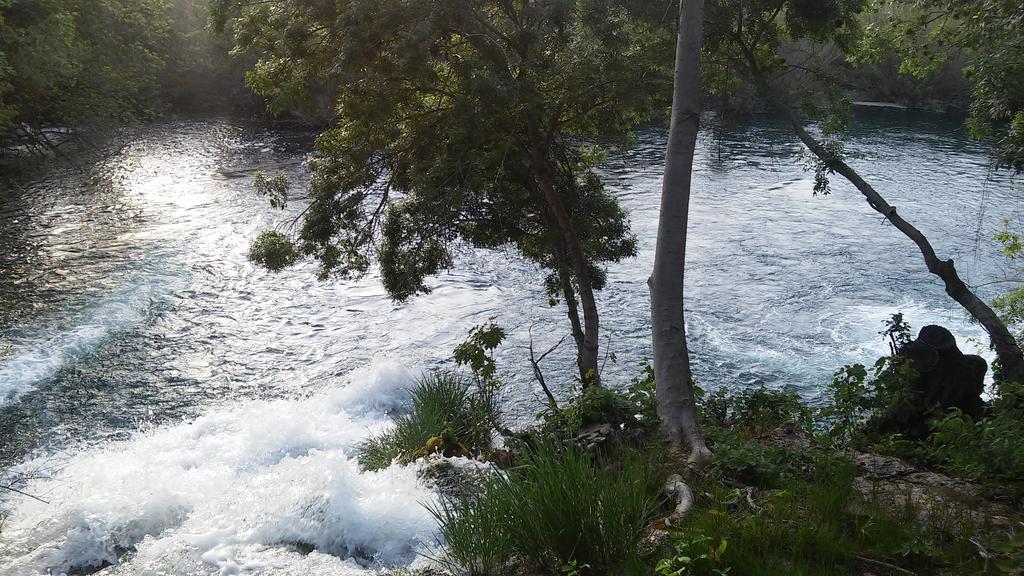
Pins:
<point x="853" y="404"/>
<point x="693" y="554"/>
<point x="818" y="524"/>
<point x="756" y="411"/>
<point x="447" y="413"/>
<point x="793" y="44"/>
<point x="1010" y="305"/>
<point x="445" y="108"/>
<point x="560" y="508"/>
<point x="273" y="251"/>
<point x="274" y="188"/>
<point x="78" y="62"/>
<point x="457" y="123"/>
<point x="924" y="32"/>
<point x="897" y="330"/>
<point x="860" y="396"/>
<point x="477" y="350"/>
<point x="988" y="450"/>
<point x="641" y="395"/>
<point x="751" y="461"/>
<point x="200" y="74"/>
<point x="736" y="424"/>
<point x="91" y="65"/>
<point x="631" y="409"/>
<point x="1011" y="555"/>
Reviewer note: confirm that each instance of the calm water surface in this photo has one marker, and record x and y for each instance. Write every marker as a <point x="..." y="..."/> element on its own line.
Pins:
<point x="174" y="385"/>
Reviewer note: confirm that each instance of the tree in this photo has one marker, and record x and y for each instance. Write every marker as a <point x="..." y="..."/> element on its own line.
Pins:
<point x="748" y="34"/>
<point x="76" y="64"/>
<point x="474" y="121"/>
<point x="922" y="33"/>
<point x="672" y="376"/>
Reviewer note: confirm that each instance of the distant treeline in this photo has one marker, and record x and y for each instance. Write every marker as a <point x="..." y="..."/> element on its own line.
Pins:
<point x="94" y="64"/>
<point x="87" y="65"/>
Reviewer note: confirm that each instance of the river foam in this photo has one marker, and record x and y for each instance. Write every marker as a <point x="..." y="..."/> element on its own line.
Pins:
<point x="264" y="487"/>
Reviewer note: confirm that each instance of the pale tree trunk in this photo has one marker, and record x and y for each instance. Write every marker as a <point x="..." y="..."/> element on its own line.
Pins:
<point x="1011" y="359"/>
<point x="675" y="398"/>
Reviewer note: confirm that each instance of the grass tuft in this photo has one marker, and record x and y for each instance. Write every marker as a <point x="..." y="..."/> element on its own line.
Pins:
<point x="560" y="508"/>
<point x="447" y="411"/>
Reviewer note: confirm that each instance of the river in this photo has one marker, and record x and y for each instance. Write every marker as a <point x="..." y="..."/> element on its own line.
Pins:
<point x="189" y="413"/>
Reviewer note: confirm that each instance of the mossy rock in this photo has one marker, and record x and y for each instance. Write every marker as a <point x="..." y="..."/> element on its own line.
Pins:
<point x="445" y="444"/>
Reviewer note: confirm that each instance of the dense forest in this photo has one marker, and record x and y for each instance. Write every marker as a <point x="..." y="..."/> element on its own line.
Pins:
<point x="429" y="133"/>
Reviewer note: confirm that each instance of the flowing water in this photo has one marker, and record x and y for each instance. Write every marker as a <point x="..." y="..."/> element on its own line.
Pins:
<point x="190" y="414"/>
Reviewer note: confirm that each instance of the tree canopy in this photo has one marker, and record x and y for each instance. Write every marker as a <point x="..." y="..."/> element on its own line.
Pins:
<point x="77" y="62"/>
<point x="924" y="32"/>
<point x="461" y="121"/>
<point x="97" y="64"/>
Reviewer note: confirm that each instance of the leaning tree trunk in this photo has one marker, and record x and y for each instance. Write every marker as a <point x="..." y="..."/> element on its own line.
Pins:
<point x="587" y="354"/>
<point x="1011" y="360"/>
<point x="675" y="398"/>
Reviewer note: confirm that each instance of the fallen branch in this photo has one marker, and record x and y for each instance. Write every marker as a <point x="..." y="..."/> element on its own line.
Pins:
<point x="883" y="565"/>
<point x="23" y="493"/>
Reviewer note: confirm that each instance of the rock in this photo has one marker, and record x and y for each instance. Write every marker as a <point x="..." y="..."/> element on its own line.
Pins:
<point x="944" y="378"/>
<point x="444" y="444"/>
<point x="791" y="437"/>
<point x="876" y="467"/>
<point x="454" y="477"/>
<point x="653" y="541"/>
<point x="894" y="482"/>
<point x="594" y="436"/>
<point x="500" y="457"/>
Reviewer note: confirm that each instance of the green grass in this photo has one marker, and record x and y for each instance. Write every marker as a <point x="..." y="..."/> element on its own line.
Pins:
<point x="443" y="405"/>
<point x="814" y="522"/>
<point x="767" y="506"/>
<point x="558" y="507"/>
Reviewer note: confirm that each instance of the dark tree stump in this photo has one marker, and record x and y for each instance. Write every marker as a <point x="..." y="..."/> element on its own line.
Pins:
<point x="944" y="378"/>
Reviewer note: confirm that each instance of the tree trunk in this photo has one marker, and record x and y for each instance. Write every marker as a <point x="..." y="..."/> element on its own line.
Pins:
<point x="565" y="275"/>
<point x="588" y="353"/>
<point x="1011" y="360"/>
<point x="675" y="398"/>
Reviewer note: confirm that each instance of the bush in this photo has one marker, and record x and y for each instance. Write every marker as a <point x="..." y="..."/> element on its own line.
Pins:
<point x="632" y="409"/>
<point x="693" y="554"/>
<point x="757" y="411"/>
<point x="749" y="461"/>
<point x="448" y="415"/>
<point x="273" y="250"/>
<point x="561" y="508"/>
<point x="989" y="450"/>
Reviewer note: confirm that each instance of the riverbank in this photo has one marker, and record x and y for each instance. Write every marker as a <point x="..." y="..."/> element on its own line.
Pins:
<point x="591" y="491"/>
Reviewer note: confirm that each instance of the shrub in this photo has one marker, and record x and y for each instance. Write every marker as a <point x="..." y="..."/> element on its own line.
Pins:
<point x="755" y="412"/>
<point x="633" y="408"/>
<point x="989" y="450"/>
<point x="749" y="461"/>
<point x="693" y="554"/>
<point x="560" y="508"/>
<point x="448" y="414"/>
<point x="819" y="526"/>
<point x="861" y="396"/>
